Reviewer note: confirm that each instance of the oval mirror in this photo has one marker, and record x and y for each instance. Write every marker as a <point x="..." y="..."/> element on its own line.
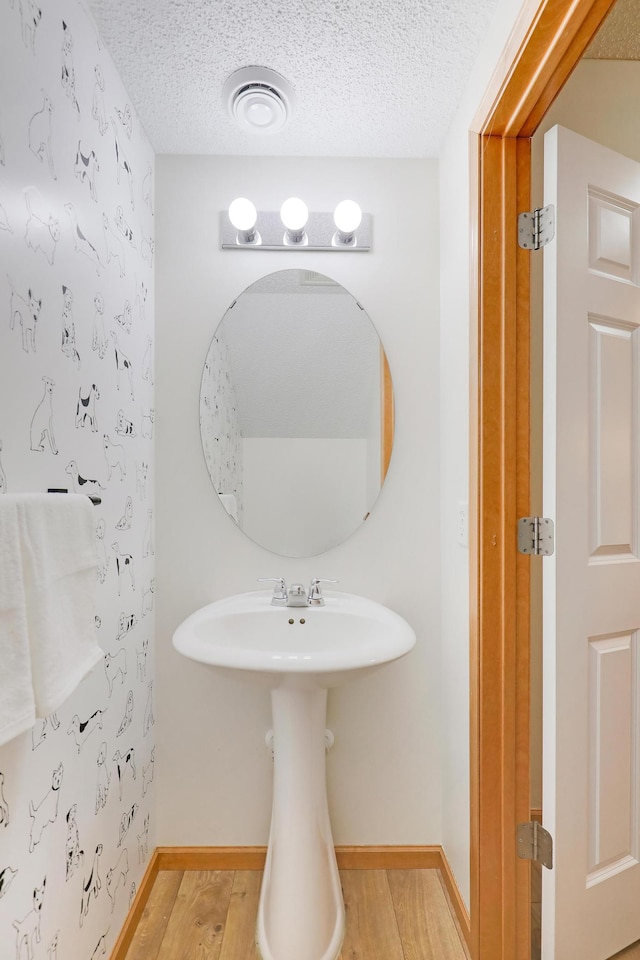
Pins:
<point x="296" y="413"/>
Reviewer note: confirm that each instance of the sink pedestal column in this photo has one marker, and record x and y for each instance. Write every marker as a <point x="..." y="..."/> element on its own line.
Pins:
<point x="301" y="912"/>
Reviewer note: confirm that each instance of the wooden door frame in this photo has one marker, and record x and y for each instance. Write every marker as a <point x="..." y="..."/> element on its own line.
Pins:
<point x="546" y="44"/>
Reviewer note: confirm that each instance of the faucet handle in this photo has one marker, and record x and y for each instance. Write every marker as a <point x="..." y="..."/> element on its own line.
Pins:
<point x="279" y="598"/>
<point x="315" y="593"/>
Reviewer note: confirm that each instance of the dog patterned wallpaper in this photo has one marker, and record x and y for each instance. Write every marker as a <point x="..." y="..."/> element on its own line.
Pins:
<point x="76" y="411"/>
<point x="220" y="423"/>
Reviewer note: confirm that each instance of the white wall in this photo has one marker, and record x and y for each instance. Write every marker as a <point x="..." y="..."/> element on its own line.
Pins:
<point x="64" y="815"/>
<point x="384" y="770"/>
<point x="456" y="247"/>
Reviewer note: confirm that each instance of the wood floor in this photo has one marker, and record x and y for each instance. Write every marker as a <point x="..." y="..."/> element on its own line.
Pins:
<point x="211" y="915"/>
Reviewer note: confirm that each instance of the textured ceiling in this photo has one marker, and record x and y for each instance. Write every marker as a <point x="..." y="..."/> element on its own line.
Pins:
<point x="619" y="37"/>
<point x="375" y="78"/>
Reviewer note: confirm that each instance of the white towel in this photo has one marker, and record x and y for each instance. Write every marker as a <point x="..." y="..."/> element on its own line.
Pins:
<point x="17" y="702"/>
<point x="57" y="535"/>
<point x="47" y="604"/>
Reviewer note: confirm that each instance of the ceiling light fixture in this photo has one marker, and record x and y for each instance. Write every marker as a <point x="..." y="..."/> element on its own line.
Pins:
<point x="259" y="99"/>
<point x="243" y="227"/>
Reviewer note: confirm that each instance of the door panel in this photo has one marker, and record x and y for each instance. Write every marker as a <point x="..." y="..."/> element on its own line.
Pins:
<point x="591" y="622"/>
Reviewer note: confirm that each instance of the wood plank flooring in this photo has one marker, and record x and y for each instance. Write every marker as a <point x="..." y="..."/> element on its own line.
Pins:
<point x="211" y="915"/>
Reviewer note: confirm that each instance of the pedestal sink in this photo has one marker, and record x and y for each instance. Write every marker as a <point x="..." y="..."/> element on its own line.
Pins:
<point x="299" y="652"/>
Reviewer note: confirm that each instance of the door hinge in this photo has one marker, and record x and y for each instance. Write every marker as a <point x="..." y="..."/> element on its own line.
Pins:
<point x="536" y="228"/>
<point x="535" y="843"/>
<point x="535" y="536"/>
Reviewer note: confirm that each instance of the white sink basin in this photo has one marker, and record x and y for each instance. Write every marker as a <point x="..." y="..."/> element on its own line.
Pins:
<point x="299" y="652"/>
<point x="245" y="632"/>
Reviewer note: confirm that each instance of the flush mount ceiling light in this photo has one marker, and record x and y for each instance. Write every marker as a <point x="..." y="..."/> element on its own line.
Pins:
<point x="259" y="99"/>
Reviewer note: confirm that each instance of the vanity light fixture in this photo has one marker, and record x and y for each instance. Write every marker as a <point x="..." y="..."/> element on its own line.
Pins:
<point x="242" y="227"/>
<point x="347" y="217"/>
<point x="294" y="214"/>
<point x="243" y="216"/>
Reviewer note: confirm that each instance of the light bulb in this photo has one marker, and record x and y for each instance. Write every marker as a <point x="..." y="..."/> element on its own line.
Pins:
<point x="243" y="214"/>
<point x="347" y="216"/>
<point x="294" y="214"/>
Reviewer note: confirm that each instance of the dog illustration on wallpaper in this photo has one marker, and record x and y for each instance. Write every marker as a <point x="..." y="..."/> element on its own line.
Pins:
<point x="148" y="719"/>
<point x="30" y="17"/>
<point x="99" y="340"/>
<point x="104" y="778"/>
<point x="74" y="854"/>
<point x="148" y="420"/>
<point x="124" y="523"/>
<point x="113" y="245"/>
<point x="68" y="327"/>
<point x="46" y="811"/>
<point x="117" y="877"/>
<point x="126" y="119"/>
<point x="125" y="723"/>
<point x="86" y="408"/>
<point x="124" y="566"/>
<point x="80" y="241"/>
<point x="68" y="74"/>
<point x="82" y="484"/>
<point x="91" y="886"/>
<point x="147" y="188"/>
<point x="82" y="729"/>
<point x="147" y="597"/>
<point x="147" y="540"/>
<point x="40" y="134"/>
<point x="115" y="456"/>
<point x="6" y="879"/>
<point x="26" y="312"/>
<point x="143" y="841"/>
<point x="42" y="420"/>
<point x="124" y="427"/>
<point x="126" y="820"/>
<point x="3" y="477"/>
<point x="101" y="551"/>
<point x="147" y="362"/>
<point x="123" y="364"/>
<point x="142" y="474"/>
<point x="98" y="111"/>
<point x="4" y="221"/>
<point x="125" y="765"/>
<point x="4" y="806"/>
<point x="86" y="167"/>
<point x="141" y="661"/>
<point x="100" y="948"/>
<point x="147" y="772"/>
<point x="126" y="623"/>
<point x="124" y="227"/>
<point x="147" y="247"/>
<point x="52" y="949"/>
<point x="115" y="665"/>
<point x="39" y="730"/>
<point x="122" y="164"/>
<point x="28" y="929"/>
<point x="41" y="235"/>
<point x="125" y="318"/>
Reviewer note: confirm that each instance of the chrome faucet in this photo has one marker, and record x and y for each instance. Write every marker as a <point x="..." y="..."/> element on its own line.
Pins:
<point x="296" y="595"/>
<point x="279" y="598"/>
<point x="315" y="598"/>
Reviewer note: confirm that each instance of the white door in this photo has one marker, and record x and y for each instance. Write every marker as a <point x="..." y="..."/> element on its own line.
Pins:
<point x="591" y="737"/>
